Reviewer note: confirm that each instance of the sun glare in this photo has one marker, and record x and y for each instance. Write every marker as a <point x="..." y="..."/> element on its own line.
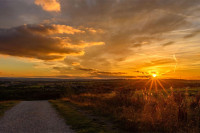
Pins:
<point x="154" y="75"/>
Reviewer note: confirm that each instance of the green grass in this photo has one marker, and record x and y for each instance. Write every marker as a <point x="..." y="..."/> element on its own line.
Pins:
<point x="5" y="105"/>
<point x="78" y="121"/>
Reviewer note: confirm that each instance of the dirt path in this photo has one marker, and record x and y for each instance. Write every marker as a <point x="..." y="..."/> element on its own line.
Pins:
<point x="33" y="117"/>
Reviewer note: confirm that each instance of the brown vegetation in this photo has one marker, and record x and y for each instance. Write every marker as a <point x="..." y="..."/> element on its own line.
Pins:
<point x="142" y="111"/>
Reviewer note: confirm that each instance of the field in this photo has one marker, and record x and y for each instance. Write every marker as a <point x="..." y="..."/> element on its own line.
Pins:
<point x="116" y="105"/>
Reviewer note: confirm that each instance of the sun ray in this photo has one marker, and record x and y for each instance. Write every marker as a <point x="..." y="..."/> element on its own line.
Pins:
<point x="148" y="82"/>
<point x="151" y="86"/>
<point x="156" y="87"/>
<point x="162" y="87"/>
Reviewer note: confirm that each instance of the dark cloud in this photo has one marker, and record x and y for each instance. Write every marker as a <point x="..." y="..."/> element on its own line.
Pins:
<point x="17" y="12"/>
<point x="97" y="72"/>
<point x="141" y="72"/>
<point x="91" y="77"/>
<point x="63" y="70"/>
<point x="90" y="71"/>
<point x="118" y="77"/>
<point x="86" y="69"/>
<point x="38" y="41"/>
<point x="168" y="43"/>
<point x="107" y="73"/>
<point x="119" y="11"/>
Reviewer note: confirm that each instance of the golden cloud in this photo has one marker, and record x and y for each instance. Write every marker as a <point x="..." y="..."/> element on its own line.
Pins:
<point x="49" y="5"/>
<point x="52" y="29"/>
<point x="61" y="29"/>
<point x="83" y="44"/>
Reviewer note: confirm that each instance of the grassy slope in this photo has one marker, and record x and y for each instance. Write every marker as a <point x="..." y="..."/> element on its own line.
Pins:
<point x="5" y="105"/>
<point x="78" y="121"/>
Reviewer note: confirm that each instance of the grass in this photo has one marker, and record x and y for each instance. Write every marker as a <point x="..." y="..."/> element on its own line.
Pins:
<point x="133" y="111"/>
<point x="77" y="120"/>
<point x="5" y="105"/>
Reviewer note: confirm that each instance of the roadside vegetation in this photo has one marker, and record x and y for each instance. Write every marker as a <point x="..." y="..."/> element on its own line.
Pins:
<point x="141" y="110"/>
<point x="5" y="105"/>
<point x="77" y="119"/>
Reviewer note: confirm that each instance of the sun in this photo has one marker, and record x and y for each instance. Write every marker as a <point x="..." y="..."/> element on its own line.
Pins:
<point x="154" y="75"/>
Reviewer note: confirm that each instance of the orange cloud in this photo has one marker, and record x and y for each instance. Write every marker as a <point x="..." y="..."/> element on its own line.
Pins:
<point x="61" y="29"/>
<point x="83" y="44"/>
<point x="52" y="29"/>
<point x="49" y="5"/>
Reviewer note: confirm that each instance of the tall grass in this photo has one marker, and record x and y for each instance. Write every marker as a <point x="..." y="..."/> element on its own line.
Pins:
<point x="144" y="111"/>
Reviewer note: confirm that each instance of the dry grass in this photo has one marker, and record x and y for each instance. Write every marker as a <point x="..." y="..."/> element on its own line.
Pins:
<point x="142" y="111"/>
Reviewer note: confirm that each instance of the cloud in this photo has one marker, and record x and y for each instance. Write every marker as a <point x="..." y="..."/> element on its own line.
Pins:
<point x="45" y="42"/>
<point x="159" y="62"/>
<point x="117" y="77"/>
<point x="20" y="12"/>
<point x="194" y="33"/>
<point x="71" y="60"/>
<point x="90" y="77"/>
<point x="90" y="71"/>
<point x="168" y="43"/>
<point x="126" y="25"/>
<point x="130" y="28"/>
<point x="49" y="5"/>
<point x="124" y="29"/>
<point x="82" y="43"/>
<point x="63" y="70"/>
<point x="86" y="69"/>
<point x="141" y="72"/>
<point x="50" y="29"/>
<point x="144" y="40"/>
<point x="105" y="73"/>
<point x="96" y="72"/>
<point x="163" y="22"/>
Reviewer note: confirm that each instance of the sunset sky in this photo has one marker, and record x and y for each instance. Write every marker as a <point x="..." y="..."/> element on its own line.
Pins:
<point x="100" y="38"/>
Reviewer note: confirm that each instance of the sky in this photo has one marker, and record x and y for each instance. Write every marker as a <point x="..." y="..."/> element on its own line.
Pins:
<point x="100" y="38"/>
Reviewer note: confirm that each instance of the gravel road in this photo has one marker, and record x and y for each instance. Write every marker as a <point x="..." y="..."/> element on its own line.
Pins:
<point x="33" y="117"/>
